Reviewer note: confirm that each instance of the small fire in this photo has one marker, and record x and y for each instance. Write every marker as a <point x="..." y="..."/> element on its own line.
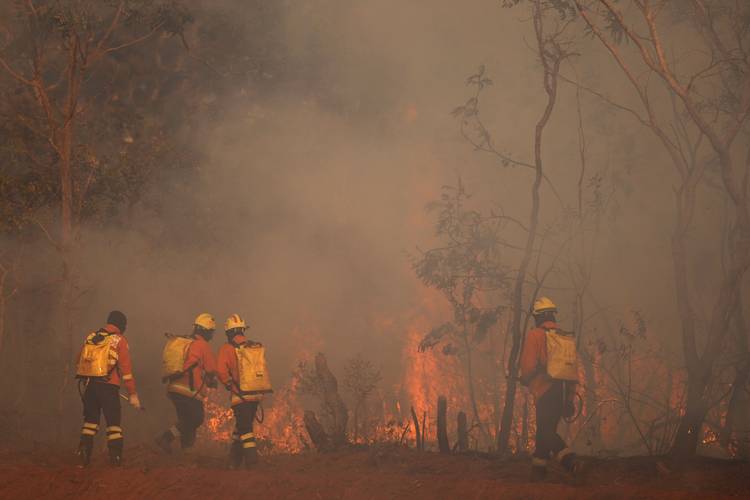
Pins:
<point x="219" y="419"/>
<point x="709" y="437"/>
<point x="281" y="429"/>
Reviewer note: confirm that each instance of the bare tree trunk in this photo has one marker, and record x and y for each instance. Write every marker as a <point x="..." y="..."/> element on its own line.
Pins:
<point x="356" y="421"/>
<point x="442" y="425"/>
<point x="688" y="432"/>
<point x="735" y="402"/>
<point x="592" y="399"/>
<point x="739" y="394"/>
<point x="551" y="56"/>
<point x="65" y="157"/>
<point x="700" y="368"/>
<point x="416" y="429"/>
<point x="364" y="420"/>
<point x="3" y="298"/>
<point x="463" y="432"/>
<point x="66" y="306"/>
<point x="497" y="376"/>
<point x="472" y="394"/>
<point x="586" y="268"/>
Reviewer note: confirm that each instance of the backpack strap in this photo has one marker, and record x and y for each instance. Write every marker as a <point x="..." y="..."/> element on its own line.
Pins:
<point x="560" y="331"/>
<point x="237" y="345"/>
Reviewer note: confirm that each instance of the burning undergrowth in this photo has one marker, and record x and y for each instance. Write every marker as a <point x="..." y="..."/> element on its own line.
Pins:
<point x="278" y="426"/>
<point x="621" y="411"/>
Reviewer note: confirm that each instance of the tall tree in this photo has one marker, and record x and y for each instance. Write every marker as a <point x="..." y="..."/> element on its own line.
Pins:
<point x="51" y="51"/>
<point x="466" y="268"/>
<point x="551" y="53"/>
<point x="713" y="105"/>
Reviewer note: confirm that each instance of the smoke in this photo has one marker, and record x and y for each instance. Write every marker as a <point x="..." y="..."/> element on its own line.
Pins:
<point x="309" y="194"/>
<point x="307" y="201"/>
<point x="300" y="217"/>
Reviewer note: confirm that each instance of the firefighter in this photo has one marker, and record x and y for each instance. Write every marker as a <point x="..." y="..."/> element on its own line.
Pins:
<point x="102" y="388"/>
<point x="187" y="389"/>
<point x="244" y="406"/>
<point x="554" y="398"/>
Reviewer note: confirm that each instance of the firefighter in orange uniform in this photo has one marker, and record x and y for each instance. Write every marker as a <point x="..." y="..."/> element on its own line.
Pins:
<point x="244" y="406"/>
<point x="102" y="389"/>
<point x="188" y="388"/>
<point x="553" y="398"/>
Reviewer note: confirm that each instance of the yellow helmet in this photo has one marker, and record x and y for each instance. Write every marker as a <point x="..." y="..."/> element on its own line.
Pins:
<point x="205" y="320"/>
<point x="542" y="305"/>
<point x="234" y="321"/>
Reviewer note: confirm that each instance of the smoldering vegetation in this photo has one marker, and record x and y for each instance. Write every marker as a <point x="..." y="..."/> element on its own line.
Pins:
<point x="358" y="179"/>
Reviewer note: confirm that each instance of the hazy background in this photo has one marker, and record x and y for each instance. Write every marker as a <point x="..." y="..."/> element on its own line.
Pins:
<point x="309" y="187"/>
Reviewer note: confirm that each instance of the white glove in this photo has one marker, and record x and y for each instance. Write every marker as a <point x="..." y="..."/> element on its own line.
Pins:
<point x="134" y="401"/>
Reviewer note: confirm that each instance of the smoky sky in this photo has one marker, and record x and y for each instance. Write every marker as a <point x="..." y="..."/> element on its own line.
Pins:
<point x="308" y="199"/>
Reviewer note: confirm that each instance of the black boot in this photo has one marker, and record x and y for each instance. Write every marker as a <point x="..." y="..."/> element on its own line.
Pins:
<point x="570" y="463"/>
<point x="164" y="441"/>
<point x="187" y="439"/>
<point x="538" y="473"/>
<point x="250" y="456"/>
<point x="235" y="455"/>
<point x="538" y="469"/>
<point x="115" y="452"/>
<point x="84" y="449"/>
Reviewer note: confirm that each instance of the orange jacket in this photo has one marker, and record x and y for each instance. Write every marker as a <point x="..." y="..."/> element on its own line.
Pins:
<point x="122" y="374"/>
<point x="199" y="363"/>
<point x="534" y="362"/>
<point x="229" y="373"/>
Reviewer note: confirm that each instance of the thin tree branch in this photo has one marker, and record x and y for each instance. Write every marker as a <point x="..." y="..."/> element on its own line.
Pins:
<point x="135" y="41"/>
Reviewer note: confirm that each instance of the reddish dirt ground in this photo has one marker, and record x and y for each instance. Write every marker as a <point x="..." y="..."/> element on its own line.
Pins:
<point x="365" y="473"/>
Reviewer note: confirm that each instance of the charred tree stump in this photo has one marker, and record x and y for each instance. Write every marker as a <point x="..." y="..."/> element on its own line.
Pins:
<point x="332" y="402"/>
<point x="424" y="427"/>
<point x="463" y="433"/>
<point x="315" y="429"/>
<point x="416" y="428"/>
<point x="442" y="425"/>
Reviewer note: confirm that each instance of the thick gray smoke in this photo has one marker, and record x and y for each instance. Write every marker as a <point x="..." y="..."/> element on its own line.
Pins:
<point x="308" y="198"/>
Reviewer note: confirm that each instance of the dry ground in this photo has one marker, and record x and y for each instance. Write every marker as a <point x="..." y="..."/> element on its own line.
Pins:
<point x="364" y="473"/>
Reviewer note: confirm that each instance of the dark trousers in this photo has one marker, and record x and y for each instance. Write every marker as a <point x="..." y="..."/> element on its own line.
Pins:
<point x="549" y="410"/>
<point x="189" y="417"/>
<point x="243" y="442"/>
<point x="99" y="398"/>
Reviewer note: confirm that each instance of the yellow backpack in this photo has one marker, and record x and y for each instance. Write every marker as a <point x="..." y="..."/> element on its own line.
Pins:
<point x="562" y="359"/>
<point x="174" y="355"/>
<point x="97" y="358"/>
<point x="251" y="363"/>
